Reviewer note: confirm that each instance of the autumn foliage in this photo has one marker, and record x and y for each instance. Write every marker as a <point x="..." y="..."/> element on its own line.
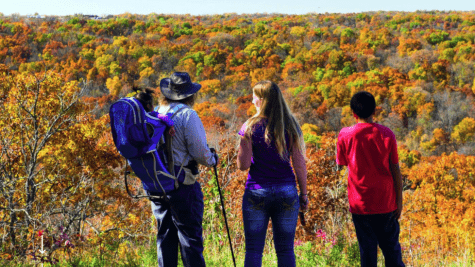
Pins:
<point x="59" y="75"/>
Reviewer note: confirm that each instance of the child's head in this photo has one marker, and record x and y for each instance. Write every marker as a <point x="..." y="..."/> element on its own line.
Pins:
<point x="145" y="97"/>
<point x="363" y="104"/>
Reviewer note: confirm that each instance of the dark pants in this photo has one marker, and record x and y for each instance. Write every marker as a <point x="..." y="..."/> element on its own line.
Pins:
<point x="181" y="224"/>
<point x="378" y="229"/>
<point x="281" y="205"/>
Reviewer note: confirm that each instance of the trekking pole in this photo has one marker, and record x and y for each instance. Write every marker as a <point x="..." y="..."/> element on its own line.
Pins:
<point x="224" y="213"/>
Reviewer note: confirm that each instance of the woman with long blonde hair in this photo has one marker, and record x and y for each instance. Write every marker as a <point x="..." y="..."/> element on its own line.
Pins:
<point x="271" y="142"/>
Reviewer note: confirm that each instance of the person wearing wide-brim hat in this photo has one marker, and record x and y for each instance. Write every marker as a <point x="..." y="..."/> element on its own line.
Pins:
<point x="178" y="86"/>
<point x="182" y="223"/>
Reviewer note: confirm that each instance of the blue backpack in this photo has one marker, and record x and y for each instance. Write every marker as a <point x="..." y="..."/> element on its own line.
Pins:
<point x="143" y="140"/>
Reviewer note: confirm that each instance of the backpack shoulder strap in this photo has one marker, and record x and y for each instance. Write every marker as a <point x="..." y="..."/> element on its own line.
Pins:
<point x="176" y="109"/>
<point x="168" y="139"/>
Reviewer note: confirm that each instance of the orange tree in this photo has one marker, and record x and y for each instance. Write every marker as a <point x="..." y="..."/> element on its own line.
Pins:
<point x="439" y="214"/>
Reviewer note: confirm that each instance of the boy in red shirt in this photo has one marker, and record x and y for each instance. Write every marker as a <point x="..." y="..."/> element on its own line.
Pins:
<point x="374" y="182"/>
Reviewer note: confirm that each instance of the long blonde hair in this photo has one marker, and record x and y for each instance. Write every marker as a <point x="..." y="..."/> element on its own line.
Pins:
<point x="279" y="118"/>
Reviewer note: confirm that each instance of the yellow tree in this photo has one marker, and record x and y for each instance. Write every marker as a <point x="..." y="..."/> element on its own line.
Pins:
<point x="114" y="85"/>
<point x="52" y="154"/>
<point x="464" y="131"/>
<point x="211" y="87"/>
<point x="439" y="212"/>
<point x="299" y="32"/>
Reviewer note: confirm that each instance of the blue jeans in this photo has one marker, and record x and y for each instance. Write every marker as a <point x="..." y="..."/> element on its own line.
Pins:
<point x="180" y="224"/>
<point x="378" y="229"/>
<point x="281" y="205"/>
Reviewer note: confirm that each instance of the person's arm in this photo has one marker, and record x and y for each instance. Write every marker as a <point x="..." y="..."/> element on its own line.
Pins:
<point x="300" y="168"/>
<point x="340" y="160"/>
<point x="195" y="137"/>
<point x="169" y="122"/>
<point x="340" y="156"/>
<point x="244" y="153"/>
<point x="397" y="178"/>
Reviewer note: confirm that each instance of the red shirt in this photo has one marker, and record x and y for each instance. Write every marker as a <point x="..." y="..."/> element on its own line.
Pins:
<point x="366" y="149"/>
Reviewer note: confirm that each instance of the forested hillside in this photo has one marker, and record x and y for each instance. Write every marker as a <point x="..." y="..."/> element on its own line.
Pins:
<point x="59" y="75"/>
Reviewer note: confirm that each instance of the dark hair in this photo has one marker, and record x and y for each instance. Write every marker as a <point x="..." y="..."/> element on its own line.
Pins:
<point x="189" y="101"/>
<point x="145" y="96"/>
<point x="363" y="104"/>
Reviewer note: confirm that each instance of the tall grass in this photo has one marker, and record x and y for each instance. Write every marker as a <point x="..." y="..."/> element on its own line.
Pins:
<point x="343" y="251"/>
<point x="342" y="254"/>
<point x="334" y="245"/>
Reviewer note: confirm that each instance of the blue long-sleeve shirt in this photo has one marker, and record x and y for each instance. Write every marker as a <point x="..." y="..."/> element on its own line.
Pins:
<point x="189" y="142"/>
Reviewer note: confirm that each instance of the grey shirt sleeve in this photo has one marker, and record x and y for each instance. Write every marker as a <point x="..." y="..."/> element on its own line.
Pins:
<point x="195" y="137"/>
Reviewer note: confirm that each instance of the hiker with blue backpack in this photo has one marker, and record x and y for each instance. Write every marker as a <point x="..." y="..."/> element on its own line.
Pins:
<point x="164" y="147"/>
<point x="180" y="218"/>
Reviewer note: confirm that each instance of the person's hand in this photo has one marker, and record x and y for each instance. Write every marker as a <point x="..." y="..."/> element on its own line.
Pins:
<point x="215" y="155"/>
<point x="303" y="199"/>
<point x="172" y="131"/>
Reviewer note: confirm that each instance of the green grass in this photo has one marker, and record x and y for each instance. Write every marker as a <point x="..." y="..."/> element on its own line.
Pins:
<point x="344" y="252"/>
<point x="341" y="254"/>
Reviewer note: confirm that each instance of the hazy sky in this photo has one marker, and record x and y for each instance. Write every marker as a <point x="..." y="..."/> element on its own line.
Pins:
<point x="202" y="7"/>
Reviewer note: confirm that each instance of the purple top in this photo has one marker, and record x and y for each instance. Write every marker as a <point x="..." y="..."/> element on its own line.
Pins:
<point x="267" y="167"/>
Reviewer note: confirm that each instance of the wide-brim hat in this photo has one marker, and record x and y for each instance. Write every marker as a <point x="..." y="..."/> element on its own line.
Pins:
<point x="178" y="86"/>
